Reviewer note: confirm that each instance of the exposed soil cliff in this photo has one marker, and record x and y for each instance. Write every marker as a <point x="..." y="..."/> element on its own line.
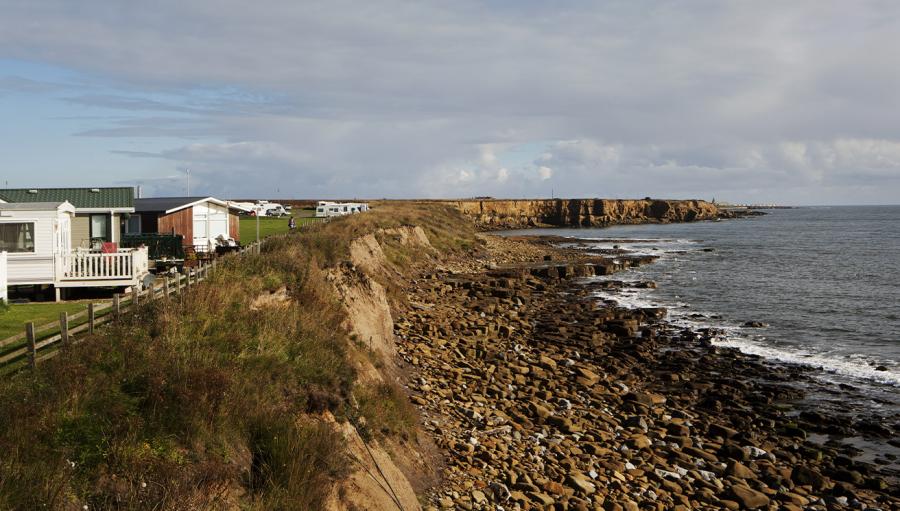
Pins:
<point x="512" y="214"/>
<point x="385" y="473"/>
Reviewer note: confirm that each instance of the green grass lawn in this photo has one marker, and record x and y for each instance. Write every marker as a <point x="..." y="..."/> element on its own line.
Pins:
<point x="267" y="226"/>
<point x="13" y="321"/>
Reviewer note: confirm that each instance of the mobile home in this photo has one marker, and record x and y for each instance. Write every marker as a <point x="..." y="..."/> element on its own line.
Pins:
<point x="37" y="237"/>
<point x="33" y="235"/>
<point x="100" y="213"/>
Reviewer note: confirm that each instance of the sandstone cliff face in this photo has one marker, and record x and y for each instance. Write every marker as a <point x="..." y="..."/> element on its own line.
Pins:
<point x="385" y="473"/>
<point x="517" y="214"/>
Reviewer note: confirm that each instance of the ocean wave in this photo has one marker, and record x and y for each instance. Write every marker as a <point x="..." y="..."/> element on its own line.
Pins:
<point x="853" y="366"/>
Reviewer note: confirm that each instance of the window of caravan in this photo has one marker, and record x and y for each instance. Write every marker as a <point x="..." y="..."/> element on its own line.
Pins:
<point x="133" y="224"/>
<point x="16" y="237"/>
<point x="320" y="210"/>
<point x="100" y="227"/>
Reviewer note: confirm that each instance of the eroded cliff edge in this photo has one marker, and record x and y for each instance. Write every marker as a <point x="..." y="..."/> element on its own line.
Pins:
<point x="493" y="214"/>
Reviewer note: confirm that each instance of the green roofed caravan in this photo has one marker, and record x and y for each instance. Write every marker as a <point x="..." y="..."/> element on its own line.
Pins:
<point x="101" y="214"/>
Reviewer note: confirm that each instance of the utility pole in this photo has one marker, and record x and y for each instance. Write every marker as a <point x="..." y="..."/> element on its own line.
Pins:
<point x="257" y="227"/>
<point x="188" y="171"/>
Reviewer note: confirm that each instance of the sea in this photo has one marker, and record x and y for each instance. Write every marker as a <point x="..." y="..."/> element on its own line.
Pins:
<point x="825" y="282"/>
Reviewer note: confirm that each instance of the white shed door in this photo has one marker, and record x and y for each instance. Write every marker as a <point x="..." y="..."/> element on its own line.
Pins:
<point x="218" y="221"/>
<point x="201" y="226"/>
<point x="210" y="222"/>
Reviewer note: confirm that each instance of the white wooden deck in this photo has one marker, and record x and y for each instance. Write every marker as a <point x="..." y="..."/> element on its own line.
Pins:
<point x="126" y="267"/>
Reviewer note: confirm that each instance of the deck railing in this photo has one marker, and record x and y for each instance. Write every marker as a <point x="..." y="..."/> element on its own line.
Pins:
<point x="125" y="264"/>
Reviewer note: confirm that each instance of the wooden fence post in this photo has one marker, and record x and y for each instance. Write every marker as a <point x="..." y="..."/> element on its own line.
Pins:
<point x="117" y="306"/>
<point x="91" y="318"/>
<point x="135" y="295"/>
<point x="32" y="351"/>
<point x="64" y="328"/>
<point x="166" y="286"/>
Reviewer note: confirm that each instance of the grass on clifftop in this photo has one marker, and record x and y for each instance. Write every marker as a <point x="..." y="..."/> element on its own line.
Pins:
<point x="268" y="226"/>
<point x="446" y="228"/>
<point x="208" y="401"/>
<point x="14" y="316"/>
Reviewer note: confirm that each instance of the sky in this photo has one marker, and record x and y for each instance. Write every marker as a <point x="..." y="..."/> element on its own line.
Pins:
<point x="742" y="101"/>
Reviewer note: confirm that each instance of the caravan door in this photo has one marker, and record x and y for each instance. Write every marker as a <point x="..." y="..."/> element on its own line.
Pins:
<point x="64" y="234"/>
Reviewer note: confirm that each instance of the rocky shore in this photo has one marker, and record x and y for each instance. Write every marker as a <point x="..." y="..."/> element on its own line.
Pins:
<point x="542" y="397"/>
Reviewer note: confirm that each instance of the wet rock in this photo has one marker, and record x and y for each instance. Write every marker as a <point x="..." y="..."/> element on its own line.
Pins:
<point x="806" y="476"/>
<point x="850" y="476"/>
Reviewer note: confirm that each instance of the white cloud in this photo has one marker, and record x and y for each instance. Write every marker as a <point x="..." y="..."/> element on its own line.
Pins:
<point x="392" y="98"/>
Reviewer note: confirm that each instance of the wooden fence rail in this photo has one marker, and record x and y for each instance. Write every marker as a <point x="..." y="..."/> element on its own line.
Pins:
<point x="61" y="334"/>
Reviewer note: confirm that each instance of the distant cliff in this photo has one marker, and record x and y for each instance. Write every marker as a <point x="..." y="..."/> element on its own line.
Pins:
<point x="516" y="214"/>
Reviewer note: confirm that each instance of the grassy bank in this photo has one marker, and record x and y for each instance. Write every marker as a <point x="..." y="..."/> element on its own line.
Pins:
<point x="214" y="400"/>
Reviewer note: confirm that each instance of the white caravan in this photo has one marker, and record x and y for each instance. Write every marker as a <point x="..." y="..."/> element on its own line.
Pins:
<point x="328" y="209"/>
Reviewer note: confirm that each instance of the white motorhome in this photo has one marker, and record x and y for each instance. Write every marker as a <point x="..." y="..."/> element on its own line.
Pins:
<point x="326" y="209"/>
<point x="263" y="208"/>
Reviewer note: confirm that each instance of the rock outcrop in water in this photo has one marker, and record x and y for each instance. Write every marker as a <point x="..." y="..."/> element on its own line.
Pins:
<point x="514" y="214"/>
